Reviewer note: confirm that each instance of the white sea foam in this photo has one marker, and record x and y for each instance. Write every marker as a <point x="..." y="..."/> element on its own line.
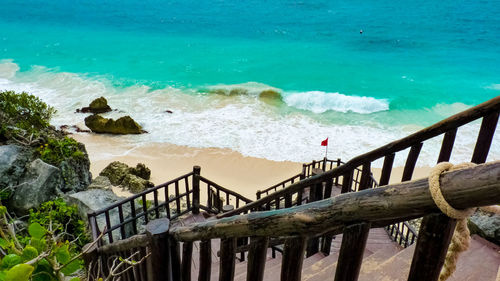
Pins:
<point x="319" y="102"/>
<point x="243" y="123"/>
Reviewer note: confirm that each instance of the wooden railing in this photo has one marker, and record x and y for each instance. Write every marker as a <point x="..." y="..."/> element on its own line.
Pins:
<point x="354" y="213"/>
<point x="350" y="213"/>
<point x="168" y="200"/>
<point x="402" y="233"/>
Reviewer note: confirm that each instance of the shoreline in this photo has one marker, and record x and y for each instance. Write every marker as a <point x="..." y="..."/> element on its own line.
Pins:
<point x="226" y="167"/>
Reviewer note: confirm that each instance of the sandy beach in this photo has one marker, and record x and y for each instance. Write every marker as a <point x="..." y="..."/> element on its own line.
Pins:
<point x="228" y="168"/>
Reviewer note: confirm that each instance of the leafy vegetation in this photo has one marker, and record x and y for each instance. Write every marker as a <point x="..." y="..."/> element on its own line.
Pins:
<point x="41" y="255"/>
<point x="23" y="115"/>
<point x="65" y="221"/>
<point x="55" y="151"/>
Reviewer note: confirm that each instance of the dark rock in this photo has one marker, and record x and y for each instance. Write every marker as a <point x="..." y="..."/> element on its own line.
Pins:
<point x="95" y="199"/>
<point x="76" y="172"/>
<point x="124" y="125"/>
<point x="271" y="97"/>
<point x="135" y="184"/>
<point x="80" y="130"/>
<point x="40" y="183"/>
<point x="99" y="105"/>
<point x="101" y="182"/>
<point x="486" y="225"/>
<point x="169" y="111"/>
<point x="115" y="172"/>
<point x="13" y="161"/>
<point x="141" y="171"/>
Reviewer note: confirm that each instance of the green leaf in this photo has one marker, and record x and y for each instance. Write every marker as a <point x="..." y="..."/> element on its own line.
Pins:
<point x="43" y="272"/>
<point x="10" y="260"/>
<point x="72" y="267"/>
<point x="62" y="254"/>
<point x="36" y="230"/>
<point x="75" y="279"/>
<point x="29" y="253"/>
<point x="4" y="244"/>
<point x="20" y="272"/>
<point x="39" y="244"/>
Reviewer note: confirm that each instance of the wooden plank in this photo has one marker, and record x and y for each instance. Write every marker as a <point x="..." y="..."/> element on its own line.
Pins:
<point x="347" y="181"/>
<point x="432" y="243"/>
<point x="257" y="258"/>
<point x="187" y="256"/>
<point x="205" y="261"/>
<point x="411" y="161"/>
<point x="485" y="138"/>
<point x="365" y="177"/>
<point x="175" y="259"/>
<point x="227" y="259"/>
<point x="351" y="252"/>
<point x="477" y="186"/>
<point x="293" y="256"/>
<point x="387" y="169"/>
<point x="447" y="145"/>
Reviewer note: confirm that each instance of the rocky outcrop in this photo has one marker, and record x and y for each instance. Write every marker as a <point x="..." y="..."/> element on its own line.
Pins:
<point x="99" y="105"/>
<point x="134" y="179"/>
<point x="95" y="199"/>
<point x="13" y="161"/>
<point x="40" y="183"/>
<point x="486" y="225"/>
<point x="122" y="126"/>
<point x="101" y="182"/>
<point x="76" y="172"/>
<point x="141" y="171"/>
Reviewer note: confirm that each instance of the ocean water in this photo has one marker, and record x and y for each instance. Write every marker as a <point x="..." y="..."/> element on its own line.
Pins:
<point x="414" y="64"/>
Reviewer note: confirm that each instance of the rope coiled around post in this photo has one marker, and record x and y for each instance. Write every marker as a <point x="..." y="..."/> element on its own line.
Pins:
<point x="461" y="237"/>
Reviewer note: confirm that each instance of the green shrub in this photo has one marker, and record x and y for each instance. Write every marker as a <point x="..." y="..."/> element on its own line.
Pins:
<point x="55" y="151"/>
<point x="25" y="111"/>
<point x="65" y="220"/>
<point x="43" y="256"/>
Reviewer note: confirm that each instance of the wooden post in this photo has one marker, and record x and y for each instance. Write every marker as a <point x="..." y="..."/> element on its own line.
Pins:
<point x="196" y="190"/>
<point x="351" y="252"/>
<point x="257" y="258"/>
<point x="324" y="164"/>
<point x="227" y="258"/>
<point x="187" y="256"/>
<point x="157" y="231"/>
<point x="205" y="260"/>
<point x="432" y="244"/>
<point x="293" y="256"/>
<point x="303" y="175"/>
<point x="485" y="138"/>
<point x="175" y="259"/>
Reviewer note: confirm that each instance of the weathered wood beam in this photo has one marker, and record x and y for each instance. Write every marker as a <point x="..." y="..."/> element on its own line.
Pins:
<point x="478" y="186"/>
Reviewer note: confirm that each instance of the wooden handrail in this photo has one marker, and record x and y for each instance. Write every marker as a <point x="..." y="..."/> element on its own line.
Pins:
<point x="465" y="188"/>
<point x="441" y="127"/>
<point x="228" y="191"/>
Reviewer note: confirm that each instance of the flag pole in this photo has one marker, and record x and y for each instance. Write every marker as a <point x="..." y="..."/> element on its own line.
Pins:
<point x="326" y="150"/>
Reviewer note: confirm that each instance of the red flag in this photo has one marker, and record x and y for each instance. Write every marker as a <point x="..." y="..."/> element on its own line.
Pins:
<point x="325" y="142"/>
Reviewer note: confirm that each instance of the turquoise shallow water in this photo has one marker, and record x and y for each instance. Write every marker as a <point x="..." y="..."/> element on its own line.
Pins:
<point x="414" y="64"/>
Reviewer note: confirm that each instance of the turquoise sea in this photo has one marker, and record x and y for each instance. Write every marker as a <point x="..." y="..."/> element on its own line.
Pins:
<point x="413" y="64"/>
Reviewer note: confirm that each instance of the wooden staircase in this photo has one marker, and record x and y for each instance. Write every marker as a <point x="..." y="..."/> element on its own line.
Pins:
<point x="303" y="214"/>
<point x="383" y="260"/>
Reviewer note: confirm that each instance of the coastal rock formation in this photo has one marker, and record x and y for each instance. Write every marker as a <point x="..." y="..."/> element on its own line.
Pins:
<point x="141" y="171"/>
<point x="13" y="160"/>
<point x="76" y="172"/>
<point x="99" y="105"/>
<point x="39" y="184"/>
<point x="122" y="126"/>
<point x="486" y="225"/>
<point x="134" y="179"/>
<point x="136" y="184"/>
<point x="101" y="182"/>
<point x="27" y="181"/>
<point x="94" y="199"/>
